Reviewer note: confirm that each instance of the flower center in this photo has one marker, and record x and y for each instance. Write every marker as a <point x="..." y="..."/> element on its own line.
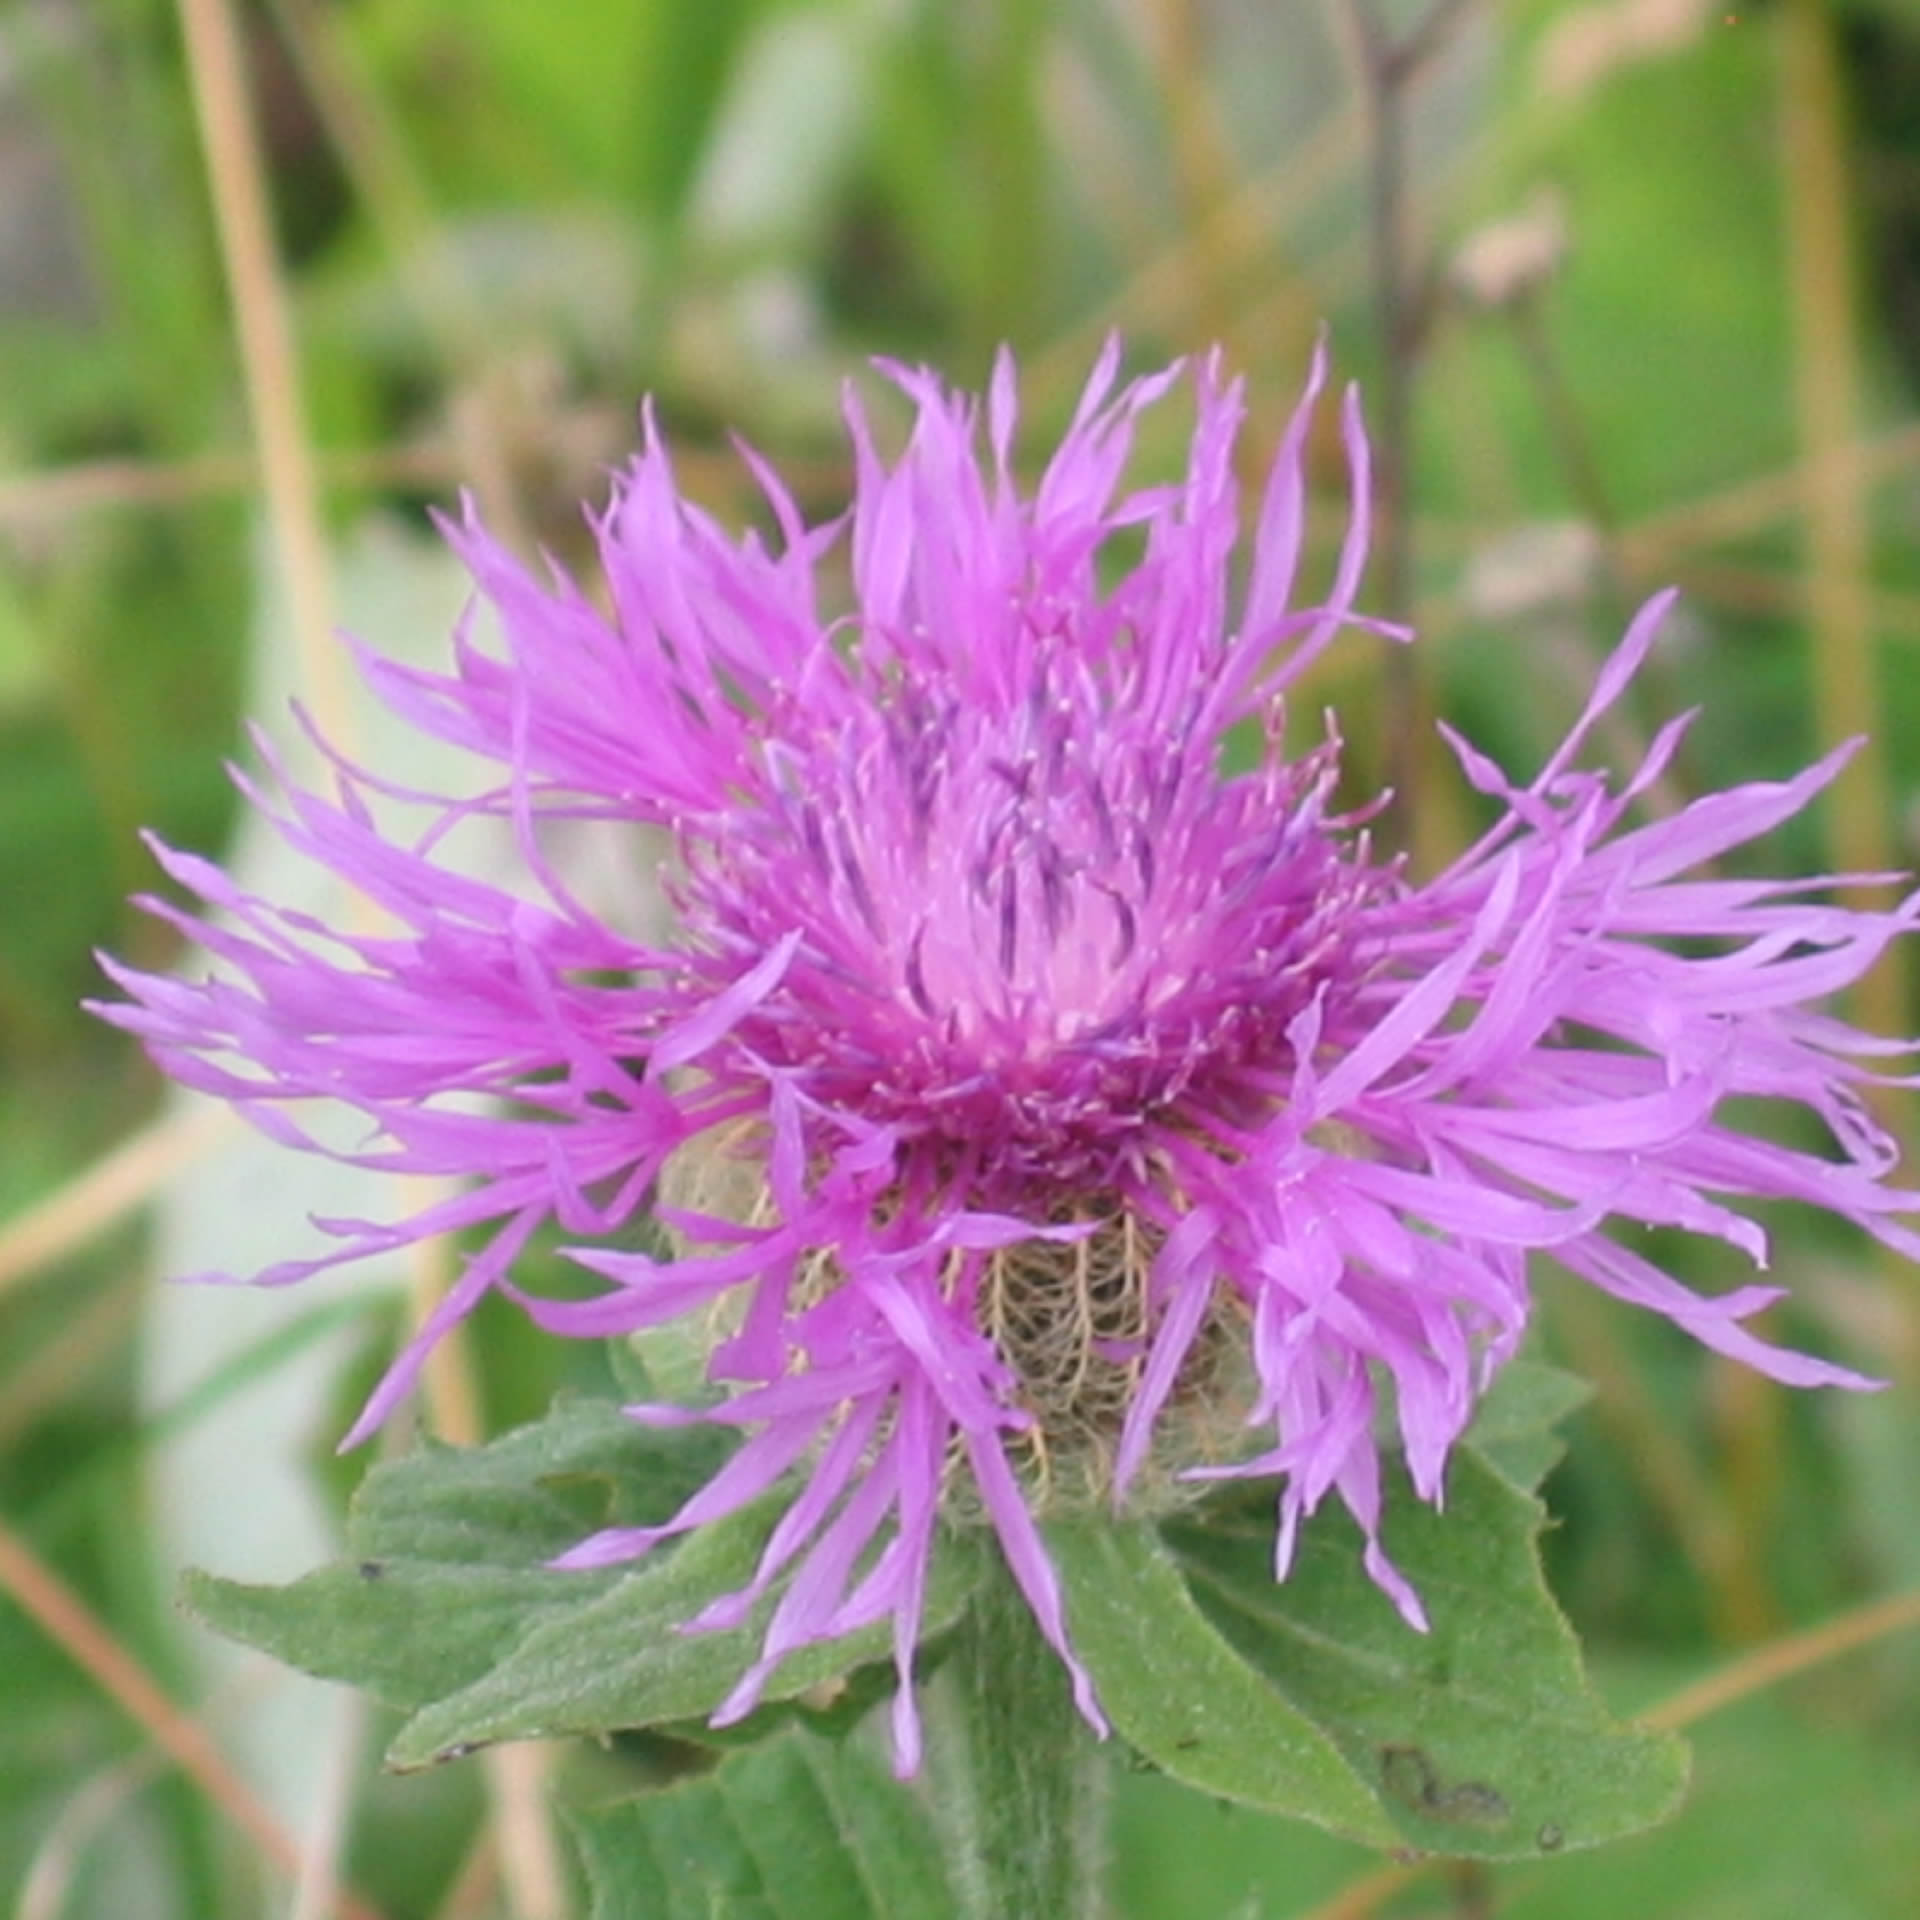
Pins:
<point x="1029" y="932"/>
<point x="1071" y="1320"/>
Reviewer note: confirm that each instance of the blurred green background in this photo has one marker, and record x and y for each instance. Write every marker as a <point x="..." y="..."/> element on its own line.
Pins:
<point x="1658" y="287"/>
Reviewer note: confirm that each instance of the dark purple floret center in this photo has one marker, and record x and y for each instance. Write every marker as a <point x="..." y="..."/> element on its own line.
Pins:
<point x="1032" y="936"/>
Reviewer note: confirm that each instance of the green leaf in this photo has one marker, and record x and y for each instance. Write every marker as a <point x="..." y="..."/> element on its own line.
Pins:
<point x="449" y="1549"/>
<point x="1186" y="1698"/>
<point x="1514" y="1426"/>
<point x="408" y="1633"/>
<point x="797" y="1829"/>
<point x="620" y="1660"/>
<point x="448" y="1610"/>
<point x="832" y="1709"/>
<point x="531" y="1494"/>
<point x="1481" y="1737"/>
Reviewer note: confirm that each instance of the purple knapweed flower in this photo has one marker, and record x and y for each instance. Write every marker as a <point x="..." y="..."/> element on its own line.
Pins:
<point x="1042" y="1112"/>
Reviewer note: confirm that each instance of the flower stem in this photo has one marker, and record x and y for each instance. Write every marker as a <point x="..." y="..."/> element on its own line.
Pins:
<point x="1017" y="1779"/>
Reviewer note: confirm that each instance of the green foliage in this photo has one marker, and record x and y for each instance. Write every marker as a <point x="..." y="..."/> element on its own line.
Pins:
<point x="446" y="1609"/>
<point x="1180" y="1855"/>
<point x="1516" y="1428"/>
<point x="1308" y="1697"/>
<point x="797" y="1829"/>
<point x="1185" y="1698"/>
<point x="620" y="1659"/>
<point x="1483" y="1737"/>
<point x="1311" y="1697"/>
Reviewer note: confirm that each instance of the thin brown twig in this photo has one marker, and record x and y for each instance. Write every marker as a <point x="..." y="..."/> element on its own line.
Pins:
<point x="1685" y="1495"/>
<point x="1817" y="200"/>
<point x="1752" y="506"/>
<point x="531" y="1868"/>
<point x="1818" y="206"/>
<point x="51" y="496"/>
<point x="270" y="363"/>
<point x="1750" y="589"/>
<point x="526" y="1850"/>
<point x="42" y="1379"/>
<point x="1565" y="424"/>
<point x="66" y="1619"/>
<point x="1744" y="589"/>
<point x="261" y="306"/>
<point x="1202" y="170"/>
<point x="473" y="1886"/>
<point x="1361" y="1899"/>
<point x="1471" y="1885"/>
<point x="1232" y="236"/>
<point x="1406" y="56"/>
<point x="1655" y="544"/>
<point x="489" y="417"/>
<point x="102" y="1195"/>
<point x="1762" y="1667"/>
<point x="373" y="152"/>
<point x="316" y="1885"/>
<point x="1387" y="66"/>
<point x="1623" y="742"/>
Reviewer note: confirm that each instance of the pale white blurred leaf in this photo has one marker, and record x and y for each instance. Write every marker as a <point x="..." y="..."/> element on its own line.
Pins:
<point x="232" y="1488"/>
<point x="787" y="134"/>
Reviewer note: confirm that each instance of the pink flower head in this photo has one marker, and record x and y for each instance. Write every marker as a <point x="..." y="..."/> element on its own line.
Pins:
<point x="1068" y="1087"/>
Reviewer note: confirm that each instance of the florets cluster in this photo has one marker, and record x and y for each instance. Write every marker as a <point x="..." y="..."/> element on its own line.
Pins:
<point x="1040" y="1107"/>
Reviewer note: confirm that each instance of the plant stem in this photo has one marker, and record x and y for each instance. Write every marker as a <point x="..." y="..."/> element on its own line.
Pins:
<point x="1017" y="1780"/>
<point x="1388" y="68"/>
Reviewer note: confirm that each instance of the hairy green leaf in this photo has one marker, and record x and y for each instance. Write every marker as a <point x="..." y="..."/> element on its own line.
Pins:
<point x="1186" y="1698"/>
<point x="797" y="1829"/>
<point x="621" y="1659"/>
<point x="1481" y="1737"/>
<point x="1514" y="1427"/>
<point x="448" y="1610"/>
